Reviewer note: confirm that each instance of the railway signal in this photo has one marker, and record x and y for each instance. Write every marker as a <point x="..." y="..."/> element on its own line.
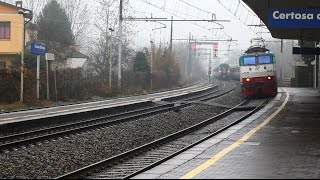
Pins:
<point x="215" y="46"/>
<point x="194" y="46"/>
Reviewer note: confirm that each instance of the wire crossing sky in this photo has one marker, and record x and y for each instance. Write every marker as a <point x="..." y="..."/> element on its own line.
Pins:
<point x="234" y="10"/>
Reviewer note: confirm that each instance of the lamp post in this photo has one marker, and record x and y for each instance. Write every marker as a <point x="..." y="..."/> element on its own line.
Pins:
<point x="26" y="15"/>
<point x="110" y="60"/>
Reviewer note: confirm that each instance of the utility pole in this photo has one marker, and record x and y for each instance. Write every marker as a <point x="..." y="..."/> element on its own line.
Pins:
<point x="25" y="15"/>
<point x="110" y="60"/>
<point x="120" y="44"/>
<point x="38" y="76"/>
<point x="48" y="87"/>
<point x="317" y="67"/>
<point x="189" y="57"/>
<point x="22" y="61"/>
<point x="171" y="34"/>
<point x="193" y="59"/>
<point x="107" y="25"/>
<point x="151" y="65"/>
<point x="210" y="67"/>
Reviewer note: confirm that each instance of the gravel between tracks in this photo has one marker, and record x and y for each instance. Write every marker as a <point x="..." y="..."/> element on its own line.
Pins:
<point x="53" y="159"/>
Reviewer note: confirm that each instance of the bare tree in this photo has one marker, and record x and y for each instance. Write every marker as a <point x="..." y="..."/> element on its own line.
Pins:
<point x="79" y="16"/>
<point x="107" y="17"/>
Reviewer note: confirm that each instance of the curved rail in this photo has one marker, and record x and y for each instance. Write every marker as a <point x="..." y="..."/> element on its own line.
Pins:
<point x="22" y="139"/>
<point x="86" y="171"/>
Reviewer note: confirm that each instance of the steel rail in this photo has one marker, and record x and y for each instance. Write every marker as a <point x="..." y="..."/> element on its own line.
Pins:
<point x="11" y="141"/>
<point x="70" y="129"/>
<point x="84" y="172"/>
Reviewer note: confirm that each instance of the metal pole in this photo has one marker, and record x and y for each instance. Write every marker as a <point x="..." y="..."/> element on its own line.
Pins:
<point x="55" y="82"/>
<point x="110" y="63"/>
<point x="48" y="95"/>
<point x="188" y="60"/>
<point x="316" y="62"/>
<point x="38" y="76"/>
<point x="171" y="34"/>
<point x="192" y="58"/>
<point x="317" y="67"/>
<point x="120" y="44"/>
<point x="315" y="72"/>
<point x="22" y="61"/>
<point x="210" y="67"/>
<point x="107" y="14"/>
<point x="151" y="66"/>
<point x="318" y="76"/>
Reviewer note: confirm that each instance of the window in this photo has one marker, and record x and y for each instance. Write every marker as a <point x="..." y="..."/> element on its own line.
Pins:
<point x="249" y="61"/>
<point x="2" y="65"/>
<point x="265" y="60"/>
<point x="5" y="30"/>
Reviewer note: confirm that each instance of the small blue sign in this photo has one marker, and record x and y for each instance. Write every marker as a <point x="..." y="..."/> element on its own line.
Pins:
<point x="38" y="48"/>
<point x="294" y="18"/>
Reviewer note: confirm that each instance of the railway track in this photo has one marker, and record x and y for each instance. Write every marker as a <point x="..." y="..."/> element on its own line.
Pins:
<point x="16" y="140"/>
<point x="24" y="139"/>
<point x="143" y="158"/>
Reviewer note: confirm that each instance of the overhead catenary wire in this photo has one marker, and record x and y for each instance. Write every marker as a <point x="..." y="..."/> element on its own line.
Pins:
<point x="165" y="10"/>
<point x="240" y="5"/>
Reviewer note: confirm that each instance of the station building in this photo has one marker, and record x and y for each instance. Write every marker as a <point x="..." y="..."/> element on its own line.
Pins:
<point x="294" y="20"/>
<point x="12" y="25"/>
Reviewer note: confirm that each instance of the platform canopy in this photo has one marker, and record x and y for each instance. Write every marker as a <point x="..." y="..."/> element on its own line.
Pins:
<point x="289" y="19"/>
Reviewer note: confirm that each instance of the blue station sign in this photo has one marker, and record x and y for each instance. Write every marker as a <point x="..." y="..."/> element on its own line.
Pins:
<point x="294" y="18"/>
<point x="38" y="48"/>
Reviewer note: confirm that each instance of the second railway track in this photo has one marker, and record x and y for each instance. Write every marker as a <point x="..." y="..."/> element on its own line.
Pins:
<point x="53" y="157"/>
<point x="150" y="155"/>
<point x="35" y="136"/>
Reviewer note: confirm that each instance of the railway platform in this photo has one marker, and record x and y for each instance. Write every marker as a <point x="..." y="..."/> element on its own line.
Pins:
<point x="280" y="141"/>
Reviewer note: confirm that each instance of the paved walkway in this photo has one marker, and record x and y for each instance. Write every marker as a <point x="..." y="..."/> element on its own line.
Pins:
<point x="280" y="141"/>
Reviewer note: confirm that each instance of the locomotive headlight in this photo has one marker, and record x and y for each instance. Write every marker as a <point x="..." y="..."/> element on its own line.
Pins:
<point x="269" y="78"/>
<point x="248" y="79"/>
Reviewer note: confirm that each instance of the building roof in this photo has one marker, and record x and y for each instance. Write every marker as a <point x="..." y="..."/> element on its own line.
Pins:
<point x="28" y="16"/>
<point x="79" y="63"/>
<point x="10" y="5"/>
<point x="77" y="54"/>
<point x="262" y="7"/>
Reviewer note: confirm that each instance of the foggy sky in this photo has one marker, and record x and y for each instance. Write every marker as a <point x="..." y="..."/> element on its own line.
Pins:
<point x="237" y="30"/>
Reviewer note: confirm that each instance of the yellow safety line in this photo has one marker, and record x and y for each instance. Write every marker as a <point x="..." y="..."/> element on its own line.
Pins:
<point x="222" y="153"/>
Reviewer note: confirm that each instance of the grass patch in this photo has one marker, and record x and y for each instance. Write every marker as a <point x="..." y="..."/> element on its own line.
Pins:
<point x="21" y="106"/>
<point x="13" y="106"/>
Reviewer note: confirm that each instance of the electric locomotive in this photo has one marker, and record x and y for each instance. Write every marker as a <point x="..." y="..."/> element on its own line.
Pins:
<point x="258" y="73"/>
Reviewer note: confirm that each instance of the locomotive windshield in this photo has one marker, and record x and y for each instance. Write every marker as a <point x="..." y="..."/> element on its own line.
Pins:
<point x="249" y="61"/>
<point x="256" y="60"/>
<point x="264" y="60"/>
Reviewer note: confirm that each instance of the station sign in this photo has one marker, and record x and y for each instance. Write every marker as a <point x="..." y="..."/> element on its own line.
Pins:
<point x="38" y="48"/>
<point x="50" y="57"/>
<point x="294" y="18"/>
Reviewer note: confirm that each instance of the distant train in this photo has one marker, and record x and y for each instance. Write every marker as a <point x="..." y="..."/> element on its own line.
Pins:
<point x="226" y="72"/>
<point x="258" y="73"/>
